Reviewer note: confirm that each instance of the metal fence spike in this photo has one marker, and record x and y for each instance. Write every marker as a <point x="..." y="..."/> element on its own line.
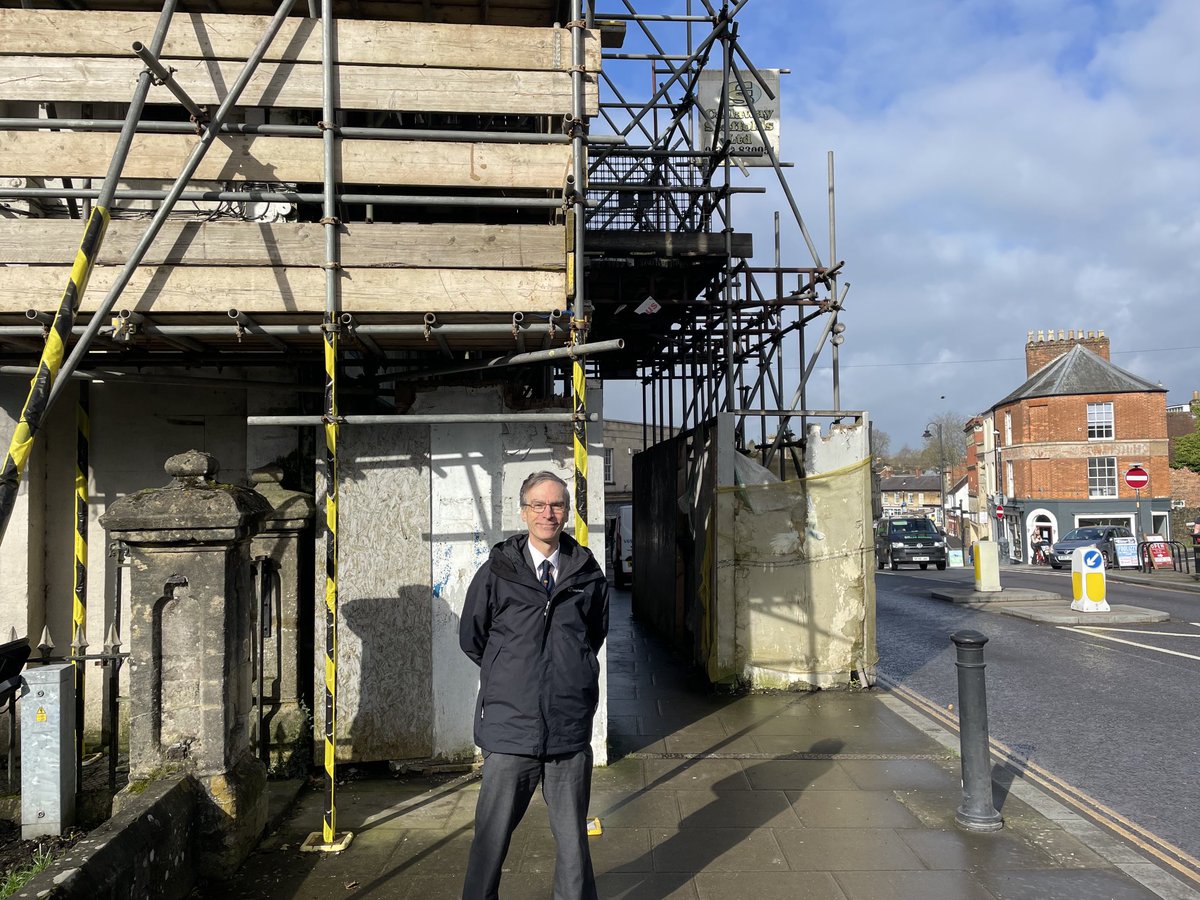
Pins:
<point x="112" y="642"/>
<point x="46" y="644"/>
<point x="12" y="633"/>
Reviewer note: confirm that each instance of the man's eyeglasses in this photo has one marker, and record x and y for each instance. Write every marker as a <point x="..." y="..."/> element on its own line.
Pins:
<point x="539" y="506"/>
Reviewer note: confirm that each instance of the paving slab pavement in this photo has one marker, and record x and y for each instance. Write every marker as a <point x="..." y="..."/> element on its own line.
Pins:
<point x="819" y="796"/>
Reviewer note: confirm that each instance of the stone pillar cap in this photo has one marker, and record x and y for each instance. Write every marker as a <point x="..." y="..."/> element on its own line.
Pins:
<point x="193" y="502"/>
<point x="287" y="504"/>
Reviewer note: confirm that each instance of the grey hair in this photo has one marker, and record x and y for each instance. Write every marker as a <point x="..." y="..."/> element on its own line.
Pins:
<point x="541" y="478"/>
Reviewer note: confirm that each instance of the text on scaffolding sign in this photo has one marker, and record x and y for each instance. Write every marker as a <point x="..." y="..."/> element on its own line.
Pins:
<point x="745" y="137"/>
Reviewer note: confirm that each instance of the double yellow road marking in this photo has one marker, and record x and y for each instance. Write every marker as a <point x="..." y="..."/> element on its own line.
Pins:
<point x="1177" y="860"/>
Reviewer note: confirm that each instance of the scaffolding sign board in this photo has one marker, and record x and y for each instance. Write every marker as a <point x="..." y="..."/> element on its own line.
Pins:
<point x="744" y="134"/>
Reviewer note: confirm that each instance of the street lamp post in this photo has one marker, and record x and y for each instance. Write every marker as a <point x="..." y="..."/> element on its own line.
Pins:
<point x="941" y="466"/>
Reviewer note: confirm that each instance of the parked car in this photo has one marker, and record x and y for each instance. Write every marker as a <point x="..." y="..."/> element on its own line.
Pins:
<point x="909" y="539"/>
<point x="1098" y="536"/>
<point x="622" y="547"/>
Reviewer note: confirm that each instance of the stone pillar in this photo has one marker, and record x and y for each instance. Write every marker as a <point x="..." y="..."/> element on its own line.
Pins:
<point x="286" y="541"/>
<point x="190" y="667"/>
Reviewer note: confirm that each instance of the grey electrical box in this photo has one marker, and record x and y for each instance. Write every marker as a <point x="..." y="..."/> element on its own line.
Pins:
<point x="47" y="751"/>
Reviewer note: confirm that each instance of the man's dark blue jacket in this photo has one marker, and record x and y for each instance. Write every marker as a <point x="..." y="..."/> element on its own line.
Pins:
<point x="537" y="655"/>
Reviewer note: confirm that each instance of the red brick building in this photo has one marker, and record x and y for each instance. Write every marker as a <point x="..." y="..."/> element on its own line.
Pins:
<point x="1065" y="438"/>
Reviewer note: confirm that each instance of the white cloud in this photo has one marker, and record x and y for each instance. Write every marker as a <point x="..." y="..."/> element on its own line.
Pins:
<point x="988" y="190"/>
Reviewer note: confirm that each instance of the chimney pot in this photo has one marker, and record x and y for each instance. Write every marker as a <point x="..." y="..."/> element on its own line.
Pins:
<point x="1029" y="340"/>
<point x="1062" y="335"/>
<point x="1041" y="336"/>
<point x="1100" y="333"/>
<point x="1071" y="335"/>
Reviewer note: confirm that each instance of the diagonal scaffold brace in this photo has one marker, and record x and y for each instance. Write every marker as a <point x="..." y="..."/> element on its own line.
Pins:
<point x="53" y="372"/>
<point x="41" y="388"/>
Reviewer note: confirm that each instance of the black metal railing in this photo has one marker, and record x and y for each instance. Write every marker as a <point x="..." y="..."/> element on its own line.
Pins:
<point x="1147" y="557"/>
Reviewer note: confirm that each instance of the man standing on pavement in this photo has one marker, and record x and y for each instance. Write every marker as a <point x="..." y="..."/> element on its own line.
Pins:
<point x="535" y="617"/>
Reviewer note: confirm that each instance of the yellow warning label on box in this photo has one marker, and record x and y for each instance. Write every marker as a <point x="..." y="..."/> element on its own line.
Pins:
<point x="41" y="714"/>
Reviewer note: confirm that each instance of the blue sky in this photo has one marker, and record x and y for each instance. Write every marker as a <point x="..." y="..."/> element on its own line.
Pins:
<point x="1001" y="167"/>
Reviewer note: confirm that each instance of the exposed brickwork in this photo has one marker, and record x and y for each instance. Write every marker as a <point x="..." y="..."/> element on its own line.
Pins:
<point x="1050" y="445"/>
<point x="1045" y="347"/>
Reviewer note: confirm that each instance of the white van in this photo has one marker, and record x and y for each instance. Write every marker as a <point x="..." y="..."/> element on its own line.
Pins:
<point x="622" y="548"/>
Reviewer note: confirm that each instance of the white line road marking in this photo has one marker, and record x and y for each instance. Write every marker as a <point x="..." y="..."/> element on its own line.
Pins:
<point x="1141" y="631"/>
<point x="1105" y="637"/>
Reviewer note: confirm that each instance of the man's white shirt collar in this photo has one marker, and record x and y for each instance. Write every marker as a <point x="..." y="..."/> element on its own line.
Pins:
<point x="539" y="558"/>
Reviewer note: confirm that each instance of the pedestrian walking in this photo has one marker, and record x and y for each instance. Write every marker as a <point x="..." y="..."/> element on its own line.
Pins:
<point x="535" y="617"/>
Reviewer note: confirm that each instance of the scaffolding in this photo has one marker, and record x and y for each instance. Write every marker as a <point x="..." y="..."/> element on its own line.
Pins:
<point x="637" y="193"/>
<point x="728" y="340"/>
<point x="730" y="332"/>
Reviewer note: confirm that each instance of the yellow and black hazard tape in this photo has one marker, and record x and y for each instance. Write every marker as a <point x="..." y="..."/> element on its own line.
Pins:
<point x="581" y="456"/>
<point x="49" y="364"/>
<point x="331" y="575"/>
<point x="79" y="607"/>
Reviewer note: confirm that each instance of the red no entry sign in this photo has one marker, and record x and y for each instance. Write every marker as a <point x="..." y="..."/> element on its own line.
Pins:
<point x="1137" y="477"/>
<point x="999" y="512"/>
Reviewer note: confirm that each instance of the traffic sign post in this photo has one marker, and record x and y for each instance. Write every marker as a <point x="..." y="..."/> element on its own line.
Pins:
<point x="1137" y="478"/>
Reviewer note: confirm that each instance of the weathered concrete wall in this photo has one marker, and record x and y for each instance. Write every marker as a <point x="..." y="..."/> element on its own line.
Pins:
<point x="769" y="585"/>
<point x="146" y="849"/>
<point x="804" y="586"/>
<point x="420" y="508"/>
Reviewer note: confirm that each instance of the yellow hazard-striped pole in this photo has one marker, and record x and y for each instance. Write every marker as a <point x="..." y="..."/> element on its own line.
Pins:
<point x="79" y="608"/>
<point x="581" y="457"/>
<point x="331" y="583"/>
<point x="328" y="839"/>
<point x="42" y="388"/>
<point x="48" y="366"/>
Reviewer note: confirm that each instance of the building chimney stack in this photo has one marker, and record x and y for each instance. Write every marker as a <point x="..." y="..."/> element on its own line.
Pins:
<point x="1049" y="345"/>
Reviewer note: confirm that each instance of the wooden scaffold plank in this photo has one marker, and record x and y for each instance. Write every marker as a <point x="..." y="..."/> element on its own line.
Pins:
<point x="298" y="85"/>
<point x="37" y="154"/>
<point x="43" y="32"/>
<point x="263" y="290"/>
<point x="230" y="242"/>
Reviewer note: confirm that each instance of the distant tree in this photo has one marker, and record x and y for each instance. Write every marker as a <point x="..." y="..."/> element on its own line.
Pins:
<point x="1187" y="447"/>
<point x="1187" y="452"/>
<point x="953" y="449"/>
<point x="881" y="444"/>
<point x="906" y="459"/>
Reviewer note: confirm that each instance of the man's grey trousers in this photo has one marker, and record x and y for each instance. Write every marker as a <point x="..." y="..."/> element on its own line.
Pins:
<point x="508" y="785"/>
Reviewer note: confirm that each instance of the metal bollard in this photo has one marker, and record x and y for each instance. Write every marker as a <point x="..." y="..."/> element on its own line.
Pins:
<point x="976" y="812"/>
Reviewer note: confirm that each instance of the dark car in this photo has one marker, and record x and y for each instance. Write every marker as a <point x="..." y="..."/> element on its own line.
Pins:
<point x="909" y="539"/>
<point x="1098" y="536"/>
